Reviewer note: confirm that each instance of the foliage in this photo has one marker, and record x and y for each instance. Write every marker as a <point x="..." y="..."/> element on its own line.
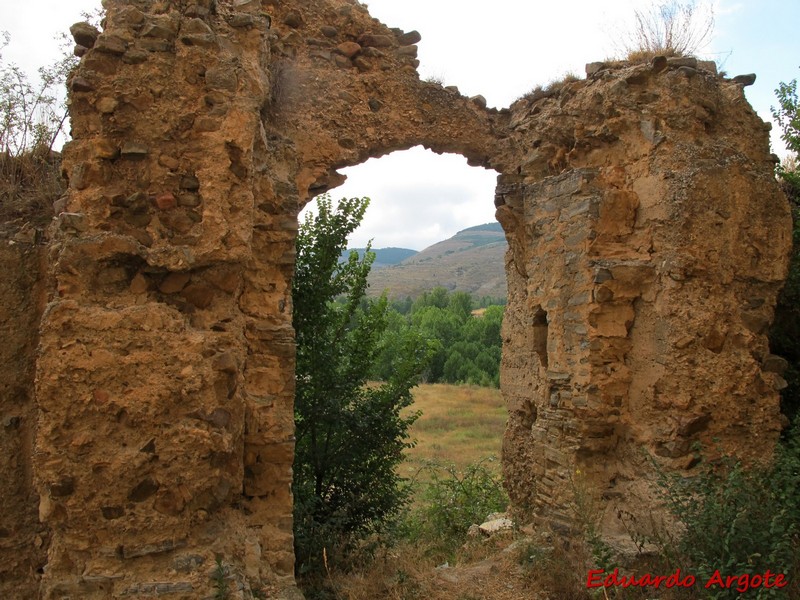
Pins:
<point x="350" y="436"/>
<point x="436" y="79"/>
<point x="669" y="28"/>
<point x="788" y="117"/>
<point x="219" y="577"/>
<point x="32" y="115"/>
<point x="466" y="348"/>
<point x="737" y="520"/>
<point x="452" y="500"/>
<point x="740" y="520"/>
<point x="784" y="336"/>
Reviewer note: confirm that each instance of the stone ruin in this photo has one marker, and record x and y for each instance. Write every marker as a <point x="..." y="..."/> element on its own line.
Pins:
<point x="148" y="373"/>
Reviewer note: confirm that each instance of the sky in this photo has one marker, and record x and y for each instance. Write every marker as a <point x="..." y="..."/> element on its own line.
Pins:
<point x="419" y="198"/>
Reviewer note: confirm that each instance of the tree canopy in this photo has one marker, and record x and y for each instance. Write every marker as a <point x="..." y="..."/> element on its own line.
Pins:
<point x="466" y="343"/>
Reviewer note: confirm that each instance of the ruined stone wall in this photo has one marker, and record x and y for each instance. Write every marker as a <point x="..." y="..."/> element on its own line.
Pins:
<point x="647" y="243"/>
<point x="23" y="540"/>
<point x="165" y="378"/>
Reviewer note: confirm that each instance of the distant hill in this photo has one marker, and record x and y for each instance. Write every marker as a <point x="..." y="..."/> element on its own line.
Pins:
<point x="384" y="257"/>
<point x="473" y="261"/>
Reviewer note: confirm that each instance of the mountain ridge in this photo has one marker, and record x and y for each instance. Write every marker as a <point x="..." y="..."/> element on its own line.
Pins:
<point x="473" y="261"/>
<point x="383" y="256"/>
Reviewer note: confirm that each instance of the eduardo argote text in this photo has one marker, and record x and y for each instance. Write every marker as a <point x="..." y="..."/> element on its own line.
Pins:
<point x="742" y="583"/>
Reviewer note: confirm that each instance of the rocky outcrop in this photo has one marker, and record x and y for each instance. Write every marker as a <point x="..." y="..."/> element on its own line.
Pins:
<point x="647" y="243"/>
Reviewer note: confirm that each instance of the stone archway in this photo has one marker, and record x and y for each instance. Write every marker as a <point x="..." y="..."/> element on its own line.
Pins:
<point x="164" y="379"/>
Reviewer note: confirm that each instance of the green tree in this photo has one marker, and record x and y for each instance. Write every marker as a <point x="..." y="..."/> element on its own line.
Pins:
<point x="441" y="328"/>
<point x="466" y="348"/>
<point x="787" y="114"/>
<point x="460" y="303"/>
<point x="350" y="436"/>
<point x="397" y="335"/>
<point x="436" y="297"/>
<point x="785" y="333"/>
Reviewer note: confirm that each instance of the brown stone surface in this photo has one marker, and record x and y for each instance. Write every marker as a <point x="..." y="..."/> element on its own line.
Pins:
<point x="23" y="540"/>
<point x="654" y="240"/>
<point x="647" y="237"/>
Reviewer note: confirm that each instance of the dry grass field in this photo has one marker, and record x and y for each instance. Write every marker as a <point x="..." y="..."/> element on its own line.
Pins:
<point x="459" y="424"/>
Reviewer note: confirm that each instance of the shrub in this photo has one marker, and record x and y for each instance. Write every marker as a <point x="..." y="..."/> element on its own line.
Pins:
<point x="552" y="88"/>
<point x="740" y="520"/>
<point x="669" y="28"/>
<point x="587" y="511"/>
<point x="220" y="578"/>
<point x="452" y="500"/>
<point x="560" y="567"/>
<point x="32" y="115"/>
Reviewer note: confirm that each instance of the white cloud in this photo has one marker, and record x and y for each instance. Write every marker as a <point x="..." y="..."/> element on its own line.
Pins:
<point x="37" y="28"/>
<point x="418" y="197"/>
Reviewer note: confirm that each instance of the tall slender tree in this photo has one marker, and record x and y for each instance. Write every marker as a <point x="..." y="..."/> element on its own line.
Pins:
<point x="350" y="433"/>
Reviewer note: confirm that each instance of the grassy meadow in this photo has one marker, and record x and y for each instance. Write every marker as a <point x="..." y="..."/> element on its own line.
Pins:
<point x="460" y="424"/>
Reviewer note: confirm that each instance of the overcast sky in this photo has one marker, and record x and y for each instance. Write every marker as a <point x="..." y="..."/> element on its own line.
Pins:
<point x="419" y="198"/>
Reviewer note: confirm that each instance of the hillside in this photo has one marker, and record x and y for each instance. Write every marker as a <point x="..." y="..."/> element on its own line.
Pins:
<point x="470" y="261"/>
<point x="384" y="257"/>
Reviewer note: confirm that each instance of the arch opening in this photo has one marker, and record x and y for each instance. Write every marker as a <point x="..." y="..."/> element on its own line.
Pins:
<point x="437" y="208"/>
